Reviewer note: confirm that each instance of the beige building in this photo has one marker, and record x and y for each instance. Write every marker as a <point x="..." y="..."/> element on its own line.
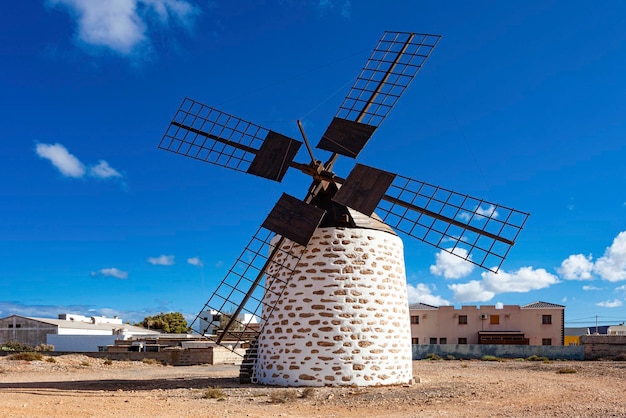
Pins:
<point x="539" y="323"/>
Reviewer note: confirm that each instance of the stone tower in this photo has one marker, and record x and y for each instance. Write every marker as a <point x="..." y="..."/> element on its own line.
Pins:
<point x="343" y="318"/>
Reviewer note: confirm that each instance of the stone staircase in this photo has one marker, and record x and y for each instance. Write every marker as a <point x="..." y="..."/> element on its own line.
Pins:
<point x="247" y="370"/>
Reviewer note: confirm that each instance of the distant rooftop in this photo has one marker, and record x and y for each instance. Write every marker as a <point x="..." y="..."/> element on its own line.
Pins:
<point x="541" y="305"/>
<point x="422" y="306"/>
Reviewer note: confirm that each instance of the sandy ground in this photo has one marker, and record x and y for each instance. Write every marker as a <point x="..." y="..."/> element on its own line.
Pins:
<point x="79" y="386"/>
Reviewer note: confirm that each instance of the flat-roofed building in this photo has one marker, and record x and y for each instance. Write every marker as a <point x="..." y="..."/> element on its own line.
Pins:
<point x="68" y="333"/>
<point x="538" y="323"/>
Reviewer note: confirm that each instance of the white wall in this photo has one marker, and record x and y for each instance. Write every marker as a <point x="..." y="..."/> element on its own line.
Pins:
<point x="80" y="343"/>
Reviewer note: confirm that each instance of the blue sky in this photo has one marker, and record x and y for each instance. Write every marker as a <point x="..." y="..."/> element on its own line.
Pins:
<point x="521" y="103"/>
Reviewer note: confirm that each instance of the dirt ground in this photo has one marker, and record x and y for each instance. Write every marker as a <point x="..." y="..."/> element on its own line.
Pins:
<point x="80" y="386"/>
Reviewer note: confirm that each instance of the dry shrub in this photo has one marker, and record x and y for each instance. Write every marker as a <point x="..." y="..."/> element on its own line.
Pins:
<point x="26" y="355"/>
<point x="535" y="357"/>
<point x="51" y="360"/>
<point x="107" y="362"/>
<point x="566" y="370"/>
<point x="283" y="396"/>
<point x="85" y="363"/>
<point x="308" y="393"/>
<point x="213" y="393"/>
<point x="150" y="361"/>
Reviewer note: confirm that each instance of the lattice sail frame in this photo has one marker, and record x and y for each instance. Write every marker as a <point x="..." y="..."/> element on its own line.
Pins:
<point x="465" y="216"/>
<point x="248" y="275"/>
<point x="386" y="75"/>
<point x="193" y="125"/>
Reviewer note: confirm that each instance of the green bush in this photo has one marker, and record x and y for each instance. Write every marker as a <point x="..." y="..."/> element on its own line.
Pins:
<point x="488" y="357"/>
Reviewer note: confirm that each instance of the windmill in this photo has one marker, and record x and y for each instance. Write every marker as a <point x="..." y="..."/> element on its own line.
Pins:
<point x="325" y="274"/>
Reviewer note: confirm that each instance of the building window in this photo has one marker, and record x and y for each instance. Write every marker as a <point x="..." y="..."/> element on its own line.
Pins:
<point x="10" y="325"/>
<point x="432" y="340"/>
<point x="546" y="319"/>
<point x="462" y="319"/>
<point x="462" y="340"/>
<point x="415" y="341"/>
<point x="443" y="340"/>
<point x="546" y="341"/>
<point x="18" y="325"/>
<point x="494" y="319"/>
<point x="415" y="319"/>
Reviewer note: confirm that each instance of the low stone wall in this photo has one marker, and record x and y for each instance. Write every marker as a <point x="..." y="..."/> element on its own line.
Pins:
<point x="185" y="357"/>
<point x="608" y="347"/>
<point x="477" y="351"/>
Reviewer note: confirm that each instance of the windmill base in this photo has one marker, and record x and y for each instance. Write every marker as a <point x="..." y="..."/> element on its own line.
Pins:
<point x="343" y="319"/>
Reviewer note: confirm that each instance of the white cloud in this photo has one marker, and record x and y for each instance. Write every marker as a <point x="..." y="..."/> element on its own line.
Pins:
<point x="576" y="267"/>
<point x="451" y="266"/>
<point x="103" y="170"/>
<point x="52" y="311"/>
<point x="195" y="261"/>
<point x="523" y="280"/>
<point x="615" y="303"/>
<point x="123" y="25"/>
<point x="589" y="288"/>
<point x="162" y="260"/>
<point x="472" y="291"/>
<point x="612" y="265"/>
<point x="344" y="7"/>
<point x="621" y="288"/>
<point x="422" y="293"/>
<point x="70" y="166"/>
<point x="483" y="213"/>
<point x="60" y="157"/>
<point x="111" y="272"/>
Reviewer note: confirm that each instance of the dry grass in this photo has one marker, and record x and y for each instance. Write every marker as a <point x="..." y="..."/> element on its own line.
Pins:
<point x="283" y="396"/>
<point x="214" y="393"/>
<point x="151" y="361"/>
<point x="308" y="393"/>
<point x="26" y="355"/>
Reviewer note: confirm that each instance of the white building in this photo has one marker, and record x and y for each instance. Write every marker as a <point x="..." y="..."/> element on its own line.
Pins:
<point x="70" y="332"/>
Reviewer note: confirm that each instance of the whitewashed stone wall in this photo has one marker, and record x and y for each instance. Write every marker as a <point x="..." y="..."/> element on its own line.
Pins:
<point x="344" y="317"/>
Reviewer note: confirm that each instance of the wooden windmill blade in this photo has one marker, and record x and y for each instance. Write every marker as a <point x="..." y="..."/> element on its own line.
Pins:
<point x="210" y="135"/>
<point x="268" y="261"/>
<point x="386" y="75"/>
<point x="474" y="229"/>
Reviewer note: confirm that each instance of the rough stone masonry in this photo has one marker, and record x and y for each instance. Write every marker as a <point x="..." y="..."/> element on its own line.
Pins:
<point x="343" y="318"/>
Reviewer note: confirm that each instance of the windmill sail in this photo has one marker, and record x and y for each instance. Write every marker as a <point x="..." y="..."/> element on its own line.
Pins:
<point x="478" y="231"/>
<point x="210" y="135"/>
<point x="240" y="294"/>
<point x="384" y="78"/>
